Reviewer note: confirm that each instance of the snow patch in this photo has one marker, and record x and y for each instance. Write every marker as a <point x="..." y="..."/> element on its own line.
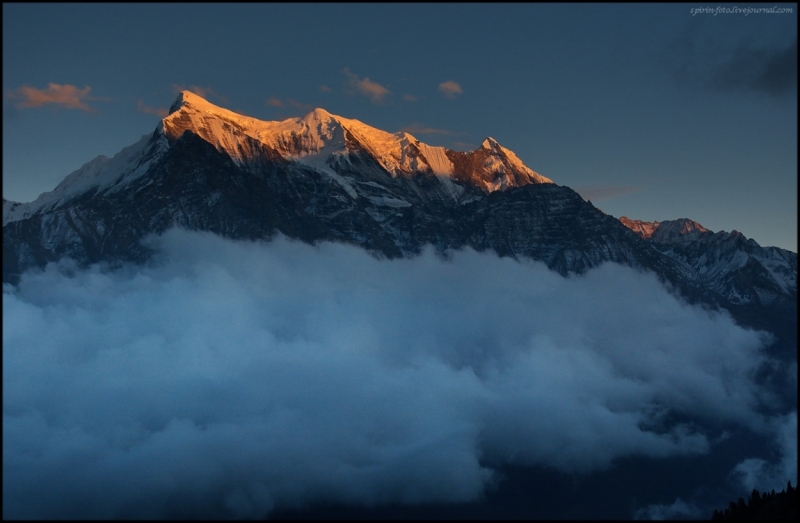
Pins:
<point x="385" y="201"/>
<point x="100" y="173"/>
<point x="437" y="159"/>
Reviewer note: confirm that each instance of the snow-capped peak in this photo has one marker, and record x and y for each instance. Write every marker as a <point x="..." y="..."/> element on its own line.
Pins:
<point x="317" y="114"/>
<point x="508" y="168"/>
<point x="188" y="98"/>
<point x="321" y="139"/>
<point x="100" y="173"/>
<point x="667" y="231"/>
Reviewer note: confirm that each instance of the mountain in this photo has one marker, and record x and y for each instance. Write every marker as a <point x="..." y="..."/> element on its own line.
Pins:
<point x="323" y="177"/>
<point x="757" y="285"/>
<point x="728" y="263"/>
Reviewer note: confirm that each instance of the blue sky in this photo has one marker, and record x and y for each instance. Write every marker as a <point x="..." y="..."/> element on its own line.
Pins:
<point x="650" y="111"/>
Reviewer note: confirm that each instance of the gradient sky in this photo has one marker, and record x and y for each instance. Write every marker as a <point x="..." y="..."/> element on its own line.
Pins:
<point x="648" y="110"/>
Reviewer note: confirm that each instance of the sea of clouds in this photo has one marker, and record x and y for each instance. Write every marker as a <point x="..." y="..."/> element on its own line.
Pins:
<point x="231" y="379"/>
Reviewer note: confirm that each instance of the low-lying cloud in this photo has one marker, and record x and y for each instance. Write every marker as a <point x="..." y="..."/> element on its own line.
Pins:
<point x="229" y="379"/>
<point x="677" y="510"/>
<point x="761" y="474"/>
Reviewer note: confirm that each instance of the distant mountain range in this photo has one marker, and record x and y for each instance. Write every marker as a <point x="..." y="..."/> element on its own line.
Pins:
<point x="327" y="178"/>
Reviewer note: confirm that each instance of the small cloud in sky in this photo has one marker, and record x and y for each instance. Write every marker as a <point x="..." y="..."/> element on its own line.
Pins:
<point x="375" y="91"/>
<point x="604" y="192"/>
<point x="67" y="96"/>
<point x="203" y="92"/>
<point x="465" y="146"/>
<point x="325" y="89"/>
<point x="142" y="107"/>
<point x="299" y="105"/>
<point x="419" y="128"/>
<point x="450" y="88"/>
<point x="274" y="101"/>
<point x="409" y="98"/>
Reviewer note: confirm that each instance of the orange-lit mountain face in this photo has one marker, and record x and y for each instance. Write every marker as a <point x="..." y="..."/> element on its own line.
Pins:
<point x="323" y="177"/>
<point x="664" y="231"/>
<point x="331" y="143"/>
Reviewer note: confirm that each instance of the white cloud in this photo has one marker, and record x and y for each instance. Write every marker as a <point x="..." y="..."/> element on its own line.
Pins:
<point x="228" y="379"/>
<point x="758" y="473"/>
<point x="675" y="511"/>
<point x="67" y="96"/>
<point x="450" y="88"/>
<point x="373" y="90"/>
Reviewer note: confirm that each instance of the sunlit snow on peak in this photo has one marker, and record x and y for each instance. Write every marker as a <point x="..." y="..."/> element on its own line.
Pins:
<point x="319" y="113"/>
<point x="319" y="138"/>
<point x="490" y="144"/>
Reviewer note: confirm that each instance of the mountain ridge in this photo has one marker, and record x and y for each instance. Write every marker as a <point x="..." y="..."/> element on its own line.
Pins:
<point x="728" y="262"/>
<point x="319" y="139"/>
<point x="326" y="178"/>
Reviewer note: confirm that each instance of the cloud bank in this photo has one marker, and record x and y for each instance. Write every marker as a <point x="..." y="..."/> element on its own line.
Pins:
<point x="770" y="71"/>
<point x="674" y="511"/>
<point x="746" y="68"/>
<point x="230" y="379"/>
<point x="765" y="476"/>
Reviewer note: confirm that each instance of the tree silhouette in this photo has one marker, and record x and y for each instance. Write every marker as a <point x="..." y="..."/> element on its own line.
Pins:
<point x="781" y="505"/>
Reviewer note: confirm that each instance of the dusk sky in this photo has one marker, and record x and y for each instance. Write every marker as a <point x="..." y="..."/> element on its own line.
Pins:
<point x="649" y="111"/>
<point x="215" y="377"/>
